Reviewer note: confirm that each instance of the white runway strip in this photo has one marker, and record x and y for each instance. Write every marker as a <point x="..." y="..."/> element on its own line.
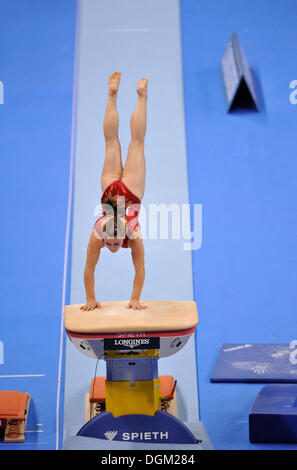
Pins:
<point x="140" y="39"/>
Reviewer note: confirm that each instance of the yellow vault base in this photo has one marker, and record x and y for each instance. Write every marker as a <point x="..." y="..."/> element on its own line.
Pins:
<point x="141" y="398"/>
<point x="96" y="400"/>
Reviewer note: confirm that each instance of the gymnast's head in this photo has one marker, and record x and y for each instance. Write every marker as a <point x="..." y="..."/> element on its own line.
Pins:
<point x="114" y="231"/>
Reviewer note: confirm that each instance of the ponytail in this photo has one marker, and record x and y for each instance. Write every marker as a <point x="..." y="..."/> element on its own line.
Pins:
<point x="115" y="224"/>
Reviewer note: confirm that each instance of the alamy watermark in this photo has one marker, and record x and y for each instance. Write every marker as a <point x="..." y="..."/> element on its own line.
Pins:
<point x="293" y="94"/>
<point x="293" y="354"/>
<point x="160" y="221"/>
<point x="1" y="353"/>
<point x="1" y="93"/>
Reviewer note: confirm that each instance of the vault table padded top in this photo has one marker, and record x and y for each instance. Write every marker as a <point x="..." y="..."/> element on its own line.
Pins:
<point x="114" y="317"/>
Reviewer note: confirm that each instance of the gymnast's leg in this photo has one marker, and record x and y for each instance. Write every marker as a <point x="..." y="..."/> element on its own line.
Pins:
<point x="134" y="169"/>
<point x="112" y="168"/>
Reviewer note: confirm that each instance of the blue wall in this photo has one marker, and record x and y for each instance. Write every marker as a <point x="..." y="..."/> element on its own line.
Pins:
<point x="242" y="169"/>
<point x="36" y="68"/>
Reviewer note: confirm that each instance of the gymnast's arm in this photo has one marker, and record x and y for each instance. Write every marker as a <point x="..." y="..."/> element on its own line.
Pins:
<point x="137" y="252"/>
<point x="93" y="252"/>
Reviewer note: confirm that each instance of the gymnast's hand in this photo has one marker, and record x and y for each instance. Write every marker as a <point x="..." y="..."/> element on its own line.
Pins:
<point x="91" y="305"/>
<point x="136" y="305"/>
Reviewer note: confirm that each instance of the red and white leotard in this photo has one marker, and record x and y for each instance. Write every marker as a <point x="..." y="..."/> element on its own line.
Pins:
<point x="132" y="209"/>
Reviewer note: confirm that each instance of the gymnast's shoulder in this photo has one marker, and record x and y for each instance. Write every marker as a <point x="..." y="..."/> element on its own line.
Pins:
<point x="135" y="239"/>
<point x="96" y="241"/>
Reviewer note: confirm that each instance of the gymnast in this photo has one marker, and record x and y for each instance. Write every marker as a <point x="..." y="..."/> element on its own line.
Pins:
<point x="118" y="227"/>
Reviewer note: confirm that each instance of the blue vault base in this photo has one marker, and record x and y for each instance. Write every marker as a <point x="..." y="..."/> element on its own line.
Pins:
<point x="91" y="443"/>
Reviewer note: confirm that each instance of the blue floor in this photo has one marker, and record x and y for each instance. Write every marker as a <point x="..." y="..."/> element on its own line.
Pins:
<point x="242" y="169"/>
<point x="37" y="55"/>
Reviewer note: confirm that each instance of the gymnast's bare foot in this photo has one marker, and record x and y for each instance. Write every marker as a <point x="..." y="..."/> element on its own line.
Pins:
<point x="142" y="87"/>
<point x="114" y="83"/>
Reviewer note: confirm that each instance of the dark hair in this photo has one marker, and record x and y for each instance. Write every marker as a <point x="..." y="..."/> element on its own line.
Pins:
<point x="114" y="227"/>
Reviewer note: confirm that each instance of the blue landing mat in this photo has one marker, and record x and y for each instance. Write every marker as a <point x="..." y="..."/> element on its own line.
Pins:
<point x="263" y="363"/>
<point x="273" y="417"/>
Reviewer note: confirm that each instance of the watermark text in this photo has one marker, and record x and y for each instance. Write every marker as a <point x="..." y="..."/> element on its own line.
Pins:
<point x="157" y="221"/>
<point x="293" y="354"/>
<point x="1" y="353"/>
<point x="293" y="94"/>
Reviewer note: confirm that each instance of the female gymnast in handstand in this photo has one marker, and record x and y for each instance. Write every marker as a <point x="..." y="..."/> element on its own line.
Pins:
<point x="118" y="227"/>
